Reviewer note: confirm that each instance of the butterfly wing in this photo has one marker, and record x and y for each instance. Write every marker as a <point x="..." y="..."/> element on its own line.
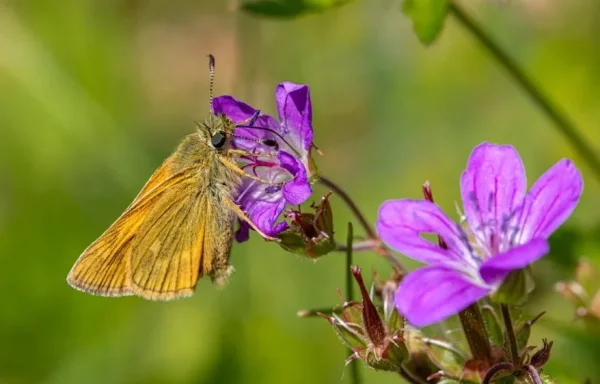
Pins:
<point x="180" y="241"/>
<point x="102" y="267"/>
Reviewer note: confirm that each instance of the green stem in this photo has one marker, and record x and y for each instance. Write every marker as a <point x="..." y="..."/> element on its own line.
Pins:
<point x="510" y="334"/>
<point x="354" y="374"/>
<point x="558" y="117"/>
<point x="476" y="333"/>
<point x="349" y="249"/>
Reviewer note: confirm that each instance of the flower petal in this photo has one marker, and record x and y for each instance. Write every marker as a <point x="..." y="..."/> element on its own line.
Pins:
<point x="246" y="138"/>
<point x="263" y="204"/>
<point x="243" y="233"/>
<point x="265" y="213"/>
<point x="401" y="222"/>
<point x="297" y="190"/>
<point x="232" y="108"/>
<point x="492" y="186"/>
<point x="494" y="270"/>
<point x="295" y="114"/>
<point x="551" y="200"/>
<point x="431" y="294"/>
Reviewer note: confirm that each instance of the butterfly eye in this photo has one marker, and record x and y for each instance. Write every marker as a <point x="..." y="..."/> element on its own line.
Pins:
<point x="218" y="140"/>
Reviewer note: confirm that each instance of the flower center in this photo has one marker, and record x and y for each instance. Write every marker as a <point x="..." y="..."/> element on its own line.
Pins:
<point x="492" y="236"/>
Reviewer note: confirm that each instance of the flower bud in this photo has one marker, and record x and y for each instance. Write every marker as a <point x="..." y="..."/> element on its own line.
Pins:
<point x="310" y="234"/>
<point x="346" y="330"/>
<point x="360" y="326"/>
<point x="542" y="355"/>
<point x="371" y="320"/>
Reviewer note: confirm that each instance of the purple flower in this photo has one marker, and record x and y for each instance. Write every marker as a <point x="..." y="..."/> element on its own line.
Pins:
<point x="289" y="168"/>
<point x="506" y="229"/>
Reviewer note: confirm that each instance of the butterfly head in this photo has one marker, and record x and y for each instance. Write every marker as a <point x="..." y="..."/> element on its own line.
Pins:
<point x="216" y="131"/>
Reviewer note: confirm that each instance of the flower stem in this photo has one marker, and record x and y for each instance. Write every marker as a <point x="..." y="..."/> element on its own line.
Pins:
<point x="354" y="374"/>
<point x="349" y="249"/>
<point x="350" y="203"/>
<point x="476" y="333"/>
<point x="558" y="117"/>
<point x="510" y="334"/>
<point x="495" y="369"/>
<point x="376" y="246"/>
<point x="365" y="245"/>
<point x="533" y="374"/>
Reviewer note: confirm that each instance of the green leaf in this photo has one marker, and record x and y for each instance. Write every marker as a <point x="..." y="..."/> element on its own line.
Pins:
<point x="289" y="8"/>
<point x="445" y="356"/>
<point x="547" y="379"/>
<point x="523" y="331"/>
<point x="493" y="325"/>
<point x="516" y="287"/>
<point x="428" y="17"/>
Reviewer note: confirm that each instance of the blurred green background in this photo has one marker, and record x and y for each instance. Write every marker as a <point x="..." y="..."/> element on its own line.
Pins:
<point x="94" y="94"/>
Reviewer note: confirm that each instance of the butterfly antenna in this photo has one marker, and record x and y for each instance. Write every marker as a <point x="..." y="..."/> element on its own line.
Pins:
<point x="211" y="73"/>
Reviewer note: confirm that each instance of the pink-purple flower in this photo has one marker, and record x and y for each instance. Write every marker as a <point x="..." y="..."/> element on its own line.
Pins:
<point x="286" y="165"/>
<point x="505" y="228"/>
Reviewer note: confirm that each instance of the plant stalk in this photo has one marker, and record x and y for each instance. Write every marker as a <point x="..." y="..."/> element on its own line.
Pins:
<point x="510" y="334"/>
<point x="354" y="373"/>
<point x="476" y="333"/>
<point x="377" y="246"/>
<point x="555" y="114"/>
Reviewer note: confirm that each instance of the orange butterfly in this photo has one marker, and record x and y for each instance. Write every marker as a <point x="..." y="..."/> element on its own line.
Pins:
<point x="179" y="227"/>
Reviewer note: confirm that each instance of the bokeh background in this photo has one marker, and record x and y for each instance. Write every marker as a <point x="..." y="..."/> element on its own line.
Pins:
<point x="94" y="94"/>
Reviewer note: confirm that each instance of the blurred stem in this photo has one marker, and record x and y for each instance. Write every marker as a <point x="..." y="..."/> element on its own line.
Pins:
<point x="410" y="376"/>
<point x="376" y="245"/>
<point x="476" y="333"/>
<point x="510" y="334"/>
<point x="354" y="374"/>
<point x="315" y="312"/>
<point x="365" y="245"/>
<point x="558" y="117"/>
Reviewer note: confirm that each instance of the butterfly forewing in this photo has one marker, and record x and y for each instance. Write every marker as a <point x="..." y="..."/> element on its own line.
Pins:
<point x="102" y="269"/>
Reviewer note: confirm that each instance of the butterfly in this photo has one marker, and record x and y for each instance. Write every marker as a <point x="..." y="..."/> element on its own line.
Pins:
<point x="179" y="227"/>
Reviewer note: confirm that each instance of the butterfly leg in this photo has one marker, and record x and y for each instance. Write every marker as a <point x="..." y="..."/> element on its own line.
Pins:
<point x="234" y="167"/>
<point x="242" y="215"/>
<point x="241" y="152"/>
<point x="249" y="122"/>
